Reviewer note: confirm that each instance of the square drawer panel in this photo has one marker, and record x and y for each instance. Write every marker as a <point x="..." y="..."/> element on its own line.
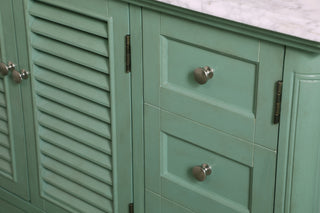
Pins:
<point x="239" y="98"/>
<point x="242" y="178"/>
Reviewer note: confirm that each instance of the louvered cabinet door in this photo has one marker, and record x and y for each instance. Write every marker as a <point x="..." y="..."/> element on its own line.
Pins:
<point x="13" y="163"/>
<point x="81" y="104"/>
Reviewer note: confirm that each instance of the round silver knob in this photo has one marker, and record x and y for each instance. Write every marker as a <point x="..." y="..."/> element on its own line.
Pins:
<point x="19" y="76"/>
<point x="203" y="74"/>
<point x="201" y="172"/>
<point x="4" y="69"/>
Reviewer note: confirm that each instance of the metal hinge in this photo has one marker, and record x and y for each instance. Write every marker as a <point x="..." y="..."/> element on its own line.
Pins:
<point x="131" y="208"/>
<point x="277" y="108"/>
<point x="128" y="54"/>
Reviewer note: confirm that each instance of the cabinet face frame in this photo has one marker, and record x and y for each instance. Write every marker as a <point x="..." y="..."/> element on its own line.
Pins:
<point x="137" y="107"/>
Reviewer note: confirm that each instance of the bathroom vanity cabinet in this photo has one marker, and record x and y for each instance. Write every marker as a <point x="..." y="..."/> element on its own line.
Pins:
<point x="102" y="111"/>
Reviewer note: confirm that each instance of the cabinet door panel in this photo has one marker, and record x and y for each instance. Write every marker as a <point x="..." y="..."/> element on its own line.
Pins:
<point x="82" y="129"/>
<point x="13" y="163"/>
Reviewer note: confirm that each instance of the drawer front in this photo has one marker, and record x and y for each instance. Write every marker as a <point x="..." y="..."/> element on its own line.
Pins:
<point x="239" y="98"/>
<point x="242" y="178"/>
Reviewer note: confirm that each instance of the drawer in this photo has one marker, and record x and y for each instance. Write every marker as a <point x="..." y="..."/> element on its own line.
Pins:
<point x="242" y="178"/>
<point x="235" y="100"/>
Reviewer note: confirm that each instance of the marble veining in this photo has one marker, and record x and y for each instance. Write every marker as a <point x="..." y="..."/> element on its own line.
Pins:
<point x="299" y="18"/>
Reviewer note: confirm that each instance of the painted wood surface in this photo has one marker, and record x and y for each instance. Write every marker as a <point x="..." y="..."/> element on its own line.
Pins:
<point x="77" y="82"/>
<point x="226" y="122"/>
<point x="13" y="156"/>
<point x="78" y="104"/>
<point x="239" y="98"/>
<point x="9" y="207"/>
<point x="242" y="181"/>
<point x="298" y="188"/>
<point x="137" y="107"/>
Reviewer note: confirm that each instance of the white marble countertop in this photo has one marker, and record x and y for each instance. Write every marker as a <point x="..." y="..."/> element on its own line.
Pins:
<point x="299" y="18"/>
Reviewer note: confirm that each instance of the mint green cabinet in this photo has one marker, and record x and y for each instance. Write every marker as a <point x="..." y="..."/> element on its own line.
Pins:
<point x="75" y="104"/>
<point x="82" y="135"/>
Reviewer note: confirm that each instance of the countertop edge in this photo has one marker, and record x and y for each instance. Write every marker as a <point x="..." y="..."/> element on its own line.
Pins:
<point x="253" y="31"/>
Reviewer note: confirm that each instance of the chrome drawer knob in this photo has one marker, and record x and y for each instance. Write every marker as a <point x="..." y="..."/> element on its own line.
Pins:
<point x="19" y="76"/>
<point x="4" y="69"/>
<point x="203" y="74"/>
<point x="201" y="172"/>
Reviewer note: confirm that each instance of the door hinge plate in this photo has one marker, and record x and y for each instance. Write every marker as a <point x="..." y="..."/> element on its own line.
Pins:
<point x="131" y="208"/>
<point x="128" y="54"/>
<point x="278" y="97"/>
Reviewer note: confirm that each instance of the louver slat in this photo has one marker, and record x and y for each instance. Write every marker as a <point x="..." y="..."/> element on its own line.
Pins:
<point x="72" y="116"/>
<point x="5" y="168"/>
<point x="69" y="201"/>
<point x="5" y="154"/>
<point x="3" y="114"/>
<point x="5" y="146"/>
<point x="72" y="86"/>
<point x="73" y="132"/>
<point x="73" y="101"/>
<point x="2" y="100"/>
<point x="77" y="190"/>
<point x="4" y="140"/>
<point x="71" y="36"/>
<point x="71" y="19"/>
<point x="74" y="161"/>
<point x="102" y="188"/>
<point x="67" y="68"/>
<point x="70" y="53"/>
<point x="77" y="148"/>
